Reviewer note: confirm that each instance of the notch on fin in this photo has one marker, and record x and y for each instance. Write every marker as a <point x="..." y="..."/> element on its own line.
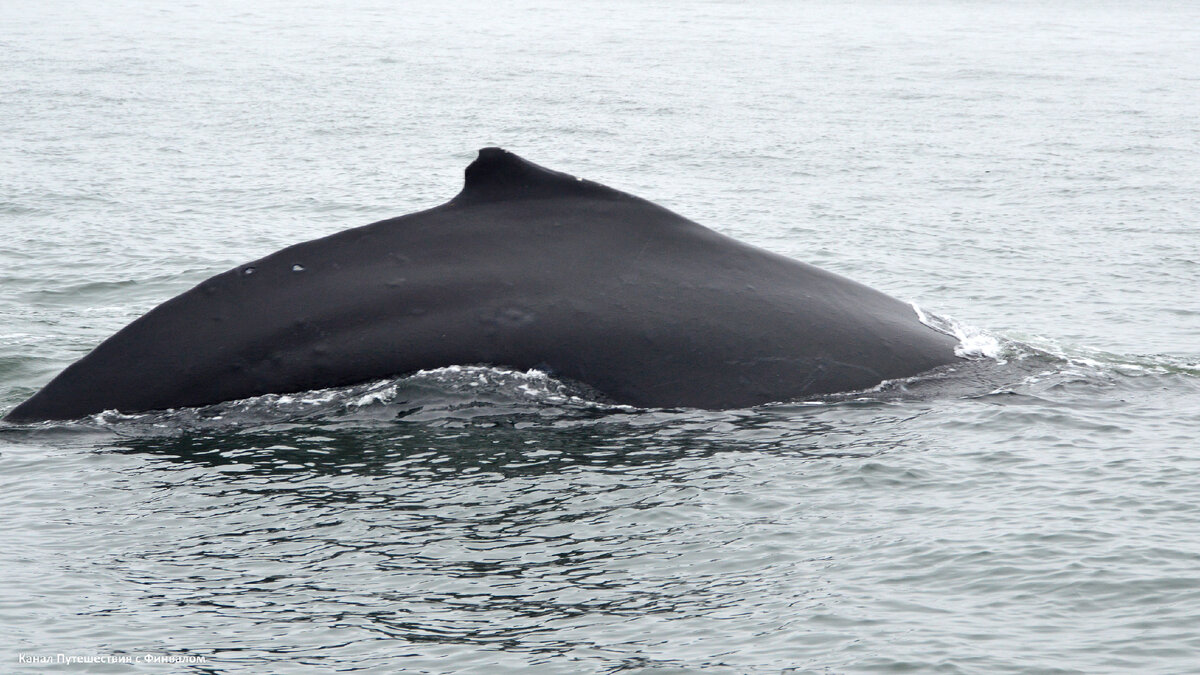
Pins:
<point x="499" y="175"/>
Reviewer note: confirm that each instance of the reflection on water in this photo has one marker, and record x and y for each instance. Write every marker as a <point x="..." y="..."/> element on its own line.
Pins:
<point x="494" y="525"/>
<point x="457" y="526"/>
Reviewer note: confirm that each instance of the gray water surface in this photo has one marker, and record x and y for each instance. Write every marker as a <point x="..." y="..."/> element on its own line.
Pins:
<point x="1026" y="171"/>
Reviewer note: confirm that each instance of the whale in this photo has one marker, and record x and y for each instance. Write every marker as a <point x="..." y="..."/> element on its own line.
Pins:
<point x="525" y="268"/>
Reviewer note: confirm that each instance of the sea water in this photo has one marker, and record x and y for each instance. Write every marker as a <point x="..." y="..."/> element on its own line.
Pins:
<point x="1024" y="172"/>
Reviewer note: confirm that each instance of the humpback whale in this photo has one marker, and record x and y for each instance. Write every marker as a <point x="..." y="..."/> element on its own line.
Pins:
<point x="525" y="268"/>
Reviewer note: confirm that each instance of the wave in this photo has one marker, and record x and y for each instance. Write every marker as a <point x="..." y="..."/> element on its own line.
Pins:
<point x="992" y="365"/>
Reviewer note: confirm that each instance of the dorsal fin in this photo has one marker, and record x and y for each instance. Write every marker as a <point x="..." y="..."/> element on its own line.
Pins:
<point x="499" y="175"/>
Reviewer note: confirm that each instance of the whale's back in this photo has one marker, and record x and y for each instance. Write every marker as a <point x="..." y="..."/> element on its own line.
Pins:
<point x="525" y="268"/>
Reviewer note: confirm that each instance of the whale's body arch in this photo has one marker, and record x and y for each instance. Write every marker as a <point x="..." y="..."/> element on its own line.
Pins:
<point x="526" y="268"/>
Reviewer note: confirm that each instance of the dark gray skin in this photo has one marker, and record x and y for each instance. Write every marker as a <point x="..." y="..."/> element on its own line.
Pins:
<point x="525" y="268"/>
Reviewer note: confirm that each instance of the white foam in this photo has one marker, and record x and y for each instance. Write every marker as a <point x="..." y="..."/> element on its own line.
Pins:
<point x="973" y="343"/>
<point x="381" y="395"/>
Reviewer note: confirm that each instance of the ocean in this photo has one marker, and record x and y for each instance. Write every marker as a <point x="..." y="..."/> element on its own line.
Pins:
<point x="1024" y="172"/>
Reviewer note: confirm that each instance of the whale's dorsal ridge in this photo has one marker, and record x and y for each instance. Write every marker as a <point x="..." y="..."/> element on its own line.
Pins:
<point x="499" y="175"/>
<point x="532" y="268"/>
